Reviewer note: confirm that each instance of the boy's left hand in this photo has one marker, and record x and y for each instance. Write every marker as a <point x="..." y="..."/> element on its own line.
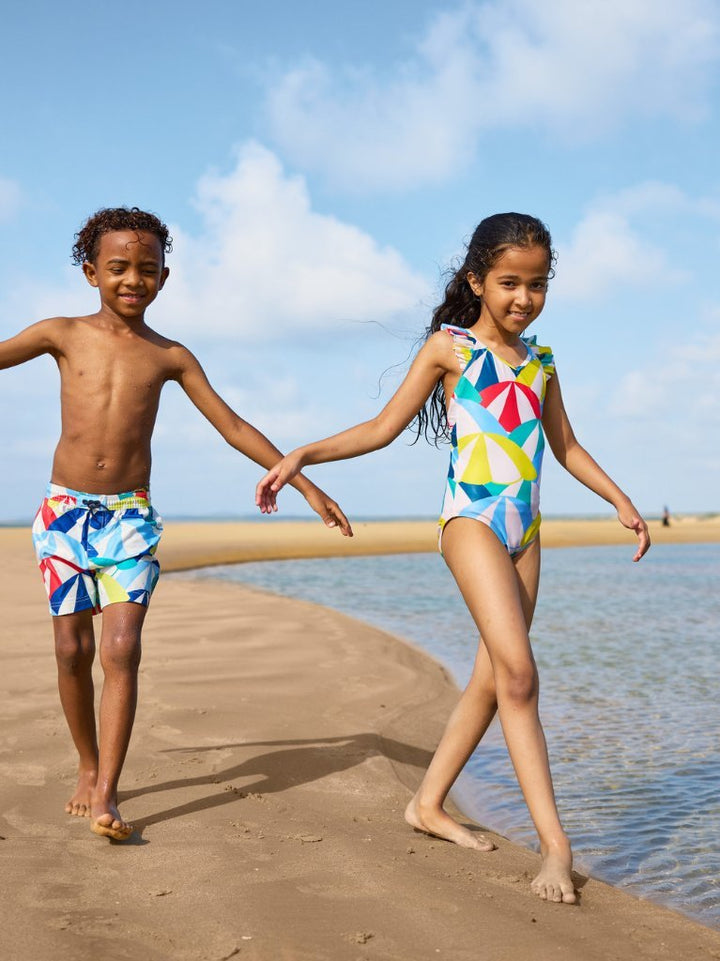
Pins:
<point x="329" y="511"/>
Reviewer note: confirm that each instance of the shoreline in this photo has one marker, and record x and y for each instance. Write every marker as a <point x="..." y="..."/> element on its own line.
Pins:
<point x="191" y="544"/>
<point x="275" y="745"/>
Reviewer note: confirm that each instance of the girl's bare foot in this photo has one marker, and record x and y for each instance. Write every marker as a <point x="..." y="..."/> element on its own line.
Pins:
<point x="79" y="804"/>
<point x="438" y="822"/>
<point x="108" y="823"/>
<point x="554" y="882"/>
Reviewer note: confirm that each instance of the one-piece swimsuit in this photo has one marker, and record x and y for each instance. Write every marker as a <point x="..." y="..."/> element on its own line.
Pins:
<point x="497" y="439"/>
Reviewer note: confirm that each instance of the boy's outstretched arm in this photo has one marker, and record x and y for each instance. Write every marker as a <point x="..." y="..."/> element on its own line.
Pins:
<point x="575" y="459"/>
<point x="247" y="439"/>
<point x="39" y="338"/>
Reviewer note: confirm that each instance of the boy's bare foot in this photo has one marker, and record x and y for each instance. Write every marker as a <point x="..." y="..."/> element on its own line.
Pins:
<point x="439" y="823"/>
<point x="554" y="882"/>
<point x="79" y="804"/>
<point x="109" y="823"/>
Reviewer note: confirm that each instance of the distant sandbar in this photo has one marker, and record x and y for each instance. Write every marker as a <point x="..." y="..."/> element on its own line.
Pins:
<point x="191" y="544"/>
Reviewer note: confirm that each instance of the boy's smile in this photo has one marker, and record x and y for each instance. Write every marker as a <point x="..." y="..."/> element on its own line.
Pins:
<point x="129" y="272"/>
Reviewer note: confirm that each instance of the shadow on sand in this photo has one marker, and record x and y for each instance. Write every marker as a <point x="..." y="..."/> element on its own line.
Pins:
<point x="289" y="764"/>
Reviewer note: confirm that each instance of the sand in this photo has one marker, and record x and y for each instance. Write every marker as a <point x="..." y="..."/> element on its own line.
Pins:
<point x="274" y="751"/>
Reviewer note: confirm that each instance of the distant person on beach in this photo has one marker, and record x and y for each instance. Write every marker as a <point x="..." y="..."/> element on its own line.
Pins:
<point x="496" y="394"/>
<point x="96" y="531"/>
<point x="666" y="517"/>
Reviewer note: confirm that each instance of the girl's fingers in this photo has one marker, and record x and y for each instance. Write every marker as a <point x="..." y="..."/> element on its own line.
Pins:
<point x="266" y="490"/>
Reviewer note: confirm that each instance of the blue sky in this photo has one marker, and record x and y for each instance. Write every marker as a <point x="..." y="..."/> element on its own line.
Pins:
<point x="320" y="165"/>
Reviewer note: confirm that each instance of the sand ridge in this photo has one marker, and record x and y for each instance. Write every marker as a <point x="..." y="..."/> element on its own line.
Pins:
<point x="275" y="747"/>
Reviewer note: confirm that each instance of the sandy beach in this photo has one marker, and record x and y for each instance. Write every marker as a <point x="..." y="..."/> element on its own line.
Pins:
<point x="275" y="747"/>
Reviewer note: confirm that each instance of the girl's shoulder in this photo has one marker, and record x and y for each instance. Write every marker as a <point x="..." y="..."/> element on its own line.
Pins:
<point x="543" y="354"/>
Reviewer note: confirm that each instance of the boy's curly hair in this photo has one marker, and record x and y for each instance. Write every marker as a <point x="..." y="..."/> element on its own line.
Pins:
<point x="87" y="239"/>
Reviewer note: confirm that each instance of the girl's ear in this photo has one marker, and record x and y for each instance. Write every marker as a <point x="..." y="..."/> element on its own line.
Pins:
<point x="90" y="273"/>
<point x="475" y="285"/>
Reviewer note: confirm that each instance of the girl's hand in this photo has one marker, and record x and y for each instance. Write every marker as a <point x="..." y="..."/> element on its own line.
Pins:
<point x="630" y="518"/>
<point x="329" y="511"/>
<point x="276" y="478"/>
<point x="285" y="471"/>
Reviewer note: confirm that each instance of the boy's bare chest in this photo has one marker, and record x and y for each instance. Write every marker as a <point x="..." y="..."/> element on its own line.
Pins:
<point x="119" y="369"/>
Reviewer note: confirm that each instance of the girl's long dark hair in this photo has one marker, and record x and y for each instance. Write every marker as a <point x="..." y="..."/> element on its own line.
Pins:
<point x="461" y="307"/>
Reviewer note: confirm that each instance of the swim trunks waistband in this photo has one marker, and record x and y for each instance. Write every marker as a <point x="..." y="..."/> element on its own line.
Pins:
<point x="111" y="502"/>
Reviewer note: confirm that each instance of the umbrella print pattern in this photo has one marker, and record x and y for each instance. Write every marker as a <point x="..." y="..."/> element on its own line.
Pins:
<point x="497" y="439"/>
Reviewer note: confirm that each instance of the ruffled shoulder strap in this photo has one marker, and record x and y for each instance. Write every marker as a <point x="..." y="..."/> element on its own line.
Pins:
<point x="463" y="343"/>
<point x="543" y="354"/>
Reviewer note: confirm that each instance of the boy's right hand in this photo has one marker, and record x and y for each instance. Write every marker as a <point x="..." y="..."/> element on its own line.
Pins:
<point x="328" y="510"/>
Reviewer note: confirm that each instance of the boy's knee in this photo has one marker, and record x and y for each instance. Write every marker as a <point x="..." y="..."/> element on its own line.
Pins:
<point x="121" y="651"/>
<point x="74" y="654"/>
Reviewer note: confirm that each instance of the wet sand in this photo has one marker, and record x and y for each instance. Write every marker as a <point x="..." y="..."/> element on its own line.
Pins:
<point x="275" y="748"/>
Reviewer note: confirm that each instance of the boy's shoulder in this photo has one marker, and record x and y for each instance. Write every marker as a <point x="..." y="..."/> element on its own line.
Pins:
<point x="173" y="347"/>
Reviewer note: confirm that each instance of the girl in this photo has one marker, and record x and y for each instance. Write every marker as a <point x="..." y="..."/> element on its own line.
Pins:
<point x="497" y="395"/>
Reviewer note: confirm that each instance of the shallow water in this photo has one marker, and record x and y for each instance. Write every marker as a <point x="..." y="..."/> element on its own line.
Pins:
<point x="628" y="665"/>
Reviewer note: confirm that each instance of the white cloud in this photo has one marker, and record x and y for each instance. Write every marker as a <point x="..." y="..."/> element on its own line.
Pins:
<point x="603" y="252"/>
<point x="610" y="246"/>
<point x="10" y="198"/>
<point x="266" y="260"/>
<point x="575" y="69"/>
<point x="263" y="260"/>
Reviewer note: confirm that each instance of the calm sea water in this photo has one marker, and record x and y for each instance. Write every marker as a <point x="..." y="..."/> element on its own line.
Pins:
<point x="628" y="658"/>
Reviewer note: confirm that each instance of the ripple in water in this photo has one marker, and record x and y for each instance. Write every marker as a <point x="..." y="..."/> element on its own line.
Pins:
<point x="628" y="666"/>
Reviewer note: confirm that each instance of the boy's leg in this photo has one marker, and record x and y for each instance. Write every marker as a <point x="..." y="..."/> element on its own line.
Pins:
<point x="74" y="653"/>
<point x="120" y="649"/>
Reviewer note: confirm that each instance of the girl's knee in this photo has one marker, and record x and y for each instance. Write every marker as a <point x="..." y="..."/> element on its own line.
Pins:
<point x="519" y="684"/>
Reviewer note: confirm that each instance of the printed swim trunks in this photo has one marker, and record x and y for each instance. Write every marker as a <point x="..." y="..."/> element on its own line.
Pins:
<point x="96" y="549"/>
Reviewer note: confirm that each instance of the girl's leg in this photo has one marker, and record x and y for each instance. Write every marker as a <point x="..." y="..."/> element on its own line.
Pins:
<point x="466" y="727"/>
<point x="74" y="653"/>
<point x="500" y="594"/>
<point x="120" y="649"/>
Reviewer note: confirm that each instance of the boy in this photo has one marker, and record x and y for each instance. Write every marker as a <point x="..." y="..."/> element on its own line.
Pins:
<point x="96" y="550"/>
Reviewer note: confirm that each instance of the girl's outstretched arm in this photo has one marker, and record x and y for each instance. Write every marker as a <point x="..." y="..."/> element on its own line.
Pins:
<point x="433" y="360"/>
<point x="575" y="459"/>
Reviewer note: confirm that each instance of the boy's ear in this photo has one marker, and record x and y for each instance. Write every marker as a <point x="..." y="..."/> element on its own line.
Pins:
<point x="90" y="273"/>
<point x="165" y="273"/>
